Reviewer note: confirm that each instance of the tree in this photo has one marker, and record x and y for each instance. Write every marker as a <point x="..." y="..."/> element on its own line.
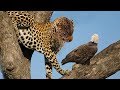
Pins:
<point x="14" y="56"/>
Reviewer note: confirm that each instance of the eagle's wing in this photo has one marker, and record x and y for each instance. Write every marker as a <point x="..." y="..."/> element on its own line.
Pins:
<point x="81" y="54"/>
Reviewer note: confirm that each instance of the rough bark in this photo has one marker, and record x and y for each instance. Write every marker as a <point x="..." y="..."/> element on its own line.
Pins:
<point x="13" y="64"/>
<point x="102" y="65"/>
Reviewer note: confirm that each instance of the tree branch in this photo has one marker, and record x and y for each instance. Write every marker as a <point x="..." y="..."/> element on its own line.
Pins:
<point x="13" y="63"/>
<point x="102" y="65"/>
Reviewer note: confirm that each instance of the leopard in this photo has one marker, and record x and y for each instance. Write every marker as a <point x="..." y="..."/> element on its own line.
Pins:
<point x="47" y="38"/>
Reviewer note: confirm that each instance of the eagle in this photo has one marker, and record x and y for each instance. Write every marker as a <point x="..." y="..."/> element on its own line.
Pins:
<point x="83" y="53"/>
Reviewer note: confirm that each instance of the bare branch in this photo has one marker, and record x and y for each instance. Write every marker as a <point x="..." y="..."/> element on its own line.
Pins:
<point x="102" y="65"/>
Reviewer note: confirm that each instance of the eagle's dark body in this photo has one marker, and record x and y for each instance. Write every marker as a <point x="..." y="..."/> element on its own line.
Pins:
<point x="82" y="54"/>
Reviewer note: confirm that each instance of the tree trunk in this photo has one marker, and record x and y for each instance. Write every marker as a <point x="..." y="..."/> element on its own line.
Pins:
<point x="13" y="64"/>
<point x="102" y="65"/>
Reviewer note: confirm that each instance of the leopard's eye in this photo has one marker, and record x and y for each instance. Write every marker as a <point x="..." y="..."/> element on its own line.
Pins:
<point x="64" y="33"/>
<point x="65" y="27"/>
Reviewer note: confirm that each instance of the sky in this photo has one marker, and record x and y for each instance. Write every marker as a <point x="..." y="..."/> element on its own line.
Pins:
<point x="105" y="23"/>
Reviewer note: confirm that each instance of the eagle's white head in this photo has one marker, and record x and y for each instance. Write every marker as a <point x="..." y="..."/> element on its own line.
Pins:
<point x="95" y="38"/>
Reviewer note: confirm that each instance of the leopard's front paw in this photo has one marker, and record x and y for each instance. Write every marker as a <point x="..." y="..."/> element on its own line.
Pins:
<point x="66" y="72"/>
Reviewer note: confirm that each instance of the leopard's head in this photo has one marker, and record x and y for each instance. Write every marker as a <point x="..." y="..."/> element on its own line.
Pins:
<point x="64" y="27"/>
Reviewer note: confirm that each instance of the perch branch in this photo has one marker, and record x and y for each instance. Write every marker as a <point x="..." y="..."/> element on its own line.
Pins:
<point x="102" y="65"/>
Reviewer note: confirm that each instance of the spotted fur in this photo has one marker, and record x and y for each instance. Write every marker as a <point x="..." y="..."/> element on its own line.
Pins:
<point x="47" y="38"/>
